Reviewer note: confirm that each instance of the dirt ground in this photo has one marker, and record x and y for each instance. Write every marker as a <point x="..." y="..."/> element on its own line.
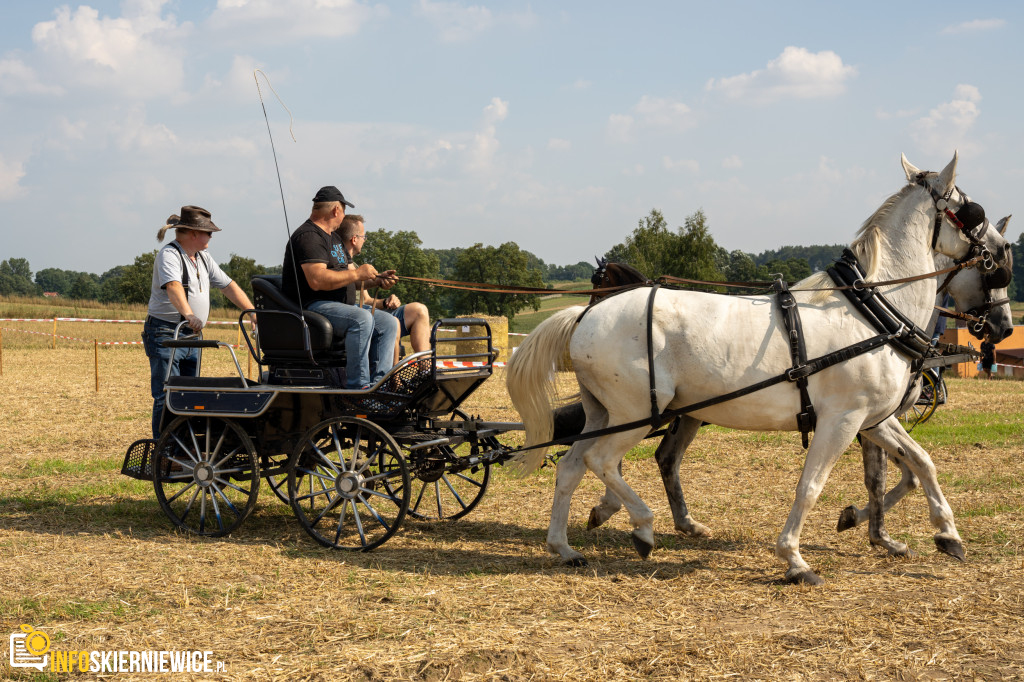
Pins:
<point x="88" y="558"/>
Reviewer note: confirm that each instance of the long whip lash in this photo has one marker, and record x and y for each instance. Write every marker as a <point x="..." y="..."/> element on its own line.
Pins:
<point x="287" y="227"/>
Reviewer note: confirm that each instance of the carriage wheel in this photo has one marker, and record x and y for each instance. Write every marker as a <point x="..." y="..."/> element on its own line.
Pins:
<point x="348" y="484"/>
<point x="206" y="475"/>
<point x="922" y="410"/>
<point x="438" y="494"/>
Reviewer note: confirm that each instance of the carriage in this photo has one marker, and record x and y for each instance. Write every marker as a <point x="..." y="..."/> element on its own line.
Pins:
<point x="352" y="464"/>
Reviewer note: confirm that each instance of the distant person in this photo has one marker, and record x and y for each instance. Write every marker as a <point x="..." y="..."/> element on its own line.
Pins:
<point x="988" y="358"/>
<point x="182" y="275"/>
<point x="413" y="318"/>
<point x="326" y="282"/>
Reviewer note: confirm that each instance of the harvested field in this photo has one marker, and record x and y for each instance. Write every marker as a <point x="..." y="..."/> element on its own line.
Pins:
<point x="88" y="558"/>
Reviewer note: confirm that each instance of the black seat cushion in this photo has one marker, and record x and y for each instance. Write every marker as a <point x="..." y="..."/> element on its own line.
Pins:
<point x="280" y="327"/>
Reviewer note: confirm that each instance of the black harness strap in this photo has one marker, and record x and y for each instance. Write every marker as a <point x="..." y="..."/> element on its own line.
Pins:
<point x="655" y="415"/>
<point x="909" y="339"/>
<point x="805" y="419"/>
<point x="812" y="367"/>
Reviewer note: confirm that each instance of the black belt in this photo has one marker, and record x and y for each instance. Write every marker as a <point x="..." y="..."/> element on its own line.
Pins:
<point x="162" y="323"/>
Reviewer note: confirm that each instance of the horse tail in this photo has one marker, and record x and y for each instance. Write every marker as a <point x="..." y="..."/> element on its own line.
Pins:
<point x="529" y="377"/>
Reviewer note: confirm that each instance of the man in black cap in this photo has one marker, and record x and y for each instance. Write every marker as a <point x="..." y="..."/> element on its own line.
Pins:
<point x="318" y="272"/>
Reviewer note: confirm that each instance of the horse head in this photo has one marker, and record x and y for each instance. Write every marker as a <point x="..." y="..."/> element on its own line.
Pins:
<point x="983" y="294"/>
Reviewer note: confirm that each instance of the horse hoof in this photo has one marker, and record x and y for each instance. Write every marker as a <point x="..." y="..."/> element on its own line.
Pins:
<point x="953" y="548"/>
<point x="807" y="577"/>
<point x="847" y="519"/>
<point x="903" y="552"/>
<point x="643" y="548"/>
<point x="594" y="521"/>
<point x="578" y="562"/>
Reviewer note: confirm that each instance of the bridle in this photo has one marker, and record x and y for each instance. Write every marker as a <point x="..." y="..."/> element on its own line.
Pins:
<point x="973" y="225"/>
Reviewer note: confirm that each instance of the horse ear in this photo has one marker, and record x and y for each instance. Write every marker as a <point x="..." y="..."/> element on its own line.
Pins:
<point x="910" y="169"/>
<point x="947" y="178"/>
<point x="1001" y="225"/>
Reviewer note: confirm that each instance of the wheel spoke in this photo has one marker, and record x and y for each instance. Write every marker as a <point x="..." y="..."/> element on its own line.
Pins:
<point x="457" y="498"/>
<point x="178" y="494"/>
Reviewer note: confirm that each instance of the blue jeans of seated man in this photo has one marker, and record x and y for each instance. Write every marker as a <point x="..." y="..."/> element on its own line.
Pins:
<point x="186" y="362"/>
<point x="369" y="340"/>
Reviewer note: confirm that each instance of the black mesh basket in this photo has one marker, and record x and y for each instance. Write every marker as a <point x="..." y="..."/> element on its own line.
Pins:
<point x="138" y="461"/>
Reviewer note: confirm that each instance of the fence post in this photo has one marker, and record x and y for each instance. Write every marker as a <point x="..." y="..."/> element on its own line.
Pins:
<point x="54" y="332"/>
<point x="1" y="351"/>
<point x="96" y="353"/>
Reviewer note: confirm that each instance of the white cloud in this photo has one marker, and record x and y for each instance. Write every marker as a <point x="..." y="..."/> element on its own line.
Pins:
<point x="634" y="170"/>
<point x="581" y="84"/>
<point x="557" y="144"/>
<point x="732" y="162"/>
<point x="280" y="21"/>
<point x="975" y="26"/>
<point x="138" y="55"/>
<point x="11" y="173"/>
<point x="620" y="127"/>
<point x="485" y="143"/>
<point x="688" y="165"/>
<point x="17" y="77"/>
<point x="651" y="112"/>
<point x="457" y="23"/>
<point x="947" y="126"/>
<point x="796" y="73"/>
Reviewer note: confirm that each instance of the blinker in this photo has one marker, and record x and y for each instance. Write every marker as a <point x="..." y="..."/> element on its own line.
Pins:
<point x="970" y="215"/>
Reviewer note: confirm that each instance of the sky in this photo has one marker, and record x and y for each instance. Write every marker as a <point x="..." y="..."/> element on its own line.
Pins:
<point x="556" y="125"/>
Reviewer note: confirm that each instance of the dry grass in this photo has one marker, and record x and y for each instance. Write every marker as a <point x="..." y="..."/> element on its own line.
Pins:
<point x="87" y="556"/>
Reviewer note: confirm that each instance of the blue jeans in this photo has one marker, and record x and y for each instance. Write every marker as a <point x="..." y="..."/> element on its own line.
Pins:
<point x="186" y="362"/>
<point x="369" y="340"/>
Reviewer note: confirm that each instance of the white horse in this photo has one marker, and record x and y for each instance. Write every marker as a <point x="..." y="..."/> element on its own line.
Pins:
<point x="972" y="291"/>
<point x="707" y="345"/>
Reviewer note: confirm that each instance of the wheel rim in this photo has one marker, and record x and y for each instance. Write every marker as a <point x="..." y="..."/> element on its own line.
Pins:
<point x="348" y="484"/>
<point x="922" y="410"/>
<point x="205" y="475"/>
<point x="438" y="493"/>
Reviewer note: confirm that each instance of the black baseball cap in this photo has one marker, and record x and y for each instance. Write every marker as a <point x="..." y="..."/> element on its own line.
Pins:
<point x="331" y="193"/>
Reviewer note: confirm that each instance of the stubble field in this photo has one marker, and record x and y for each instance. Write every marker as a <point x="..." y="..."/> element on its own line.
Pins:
<point x="87" y="557"/>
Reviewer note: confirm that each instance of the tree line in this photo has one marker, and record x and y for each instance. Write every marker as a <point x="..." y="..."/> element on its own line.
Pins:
<point x="688" y="251"/>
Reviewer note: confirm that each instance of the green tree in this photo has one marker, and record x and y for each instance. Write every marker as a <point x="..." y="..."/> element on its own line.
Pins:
<point x="54" y="279"/>
<point x="84" y="287"/>
<point x="16" y="278"/>
<point x="1015" y="291"/>
<point x="402" y="252"/>
<point x="241" y="270"/>
<point x="693" y="252"/>
<point x="109" y="286"/>
<point x="137" y="279"/>
<point x="505" y="266"/>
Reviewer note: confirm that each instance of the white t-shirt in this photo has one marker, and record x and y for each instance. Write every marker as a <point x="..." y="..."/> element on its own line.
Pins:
<point x="201" y="274"/>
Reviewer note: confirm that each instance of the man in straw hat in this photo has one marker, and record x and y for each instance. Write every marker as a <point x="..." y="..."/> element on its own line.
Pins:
<point x="182" y="275"/>
<point x="318" y="272"/>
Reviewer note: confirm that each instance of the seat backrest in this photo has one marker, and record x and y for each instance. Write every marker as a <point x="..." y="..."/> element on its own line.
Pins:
<point x="281" y="335"/>
<point x="269" y="294"/>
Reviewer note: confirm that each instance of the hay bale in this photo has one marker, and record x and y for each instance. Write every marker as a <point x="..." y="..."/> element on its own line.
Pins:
<point x="499" y="338"/>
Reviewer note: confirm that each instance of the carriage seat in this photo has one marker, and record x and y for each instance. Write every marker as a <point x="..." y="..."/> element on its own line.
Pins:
<point x="281" y="337"/>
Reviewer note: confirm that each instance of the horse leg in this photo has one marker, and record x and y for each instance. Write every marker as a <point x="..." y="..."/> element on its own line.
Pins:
<point x="668" y="455"/>
<point x="605" y="508"/>
<point x="852" y="516"/>
<point x="824" y="451"/>
<point x="892" y="436"/>
<point x="603" y="458"/>
<point x="568" y="474"/>
<point x="875" y="470"/>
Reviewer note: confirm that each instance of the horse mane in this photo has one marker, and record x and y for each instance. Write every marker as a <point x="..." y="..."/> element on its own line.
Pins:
<point x="867" y="246"/>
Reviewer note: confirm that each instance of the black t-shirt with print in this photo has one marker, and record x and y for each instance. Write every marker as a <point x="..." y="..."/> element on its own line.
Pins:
<point x="313" y="245"/>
